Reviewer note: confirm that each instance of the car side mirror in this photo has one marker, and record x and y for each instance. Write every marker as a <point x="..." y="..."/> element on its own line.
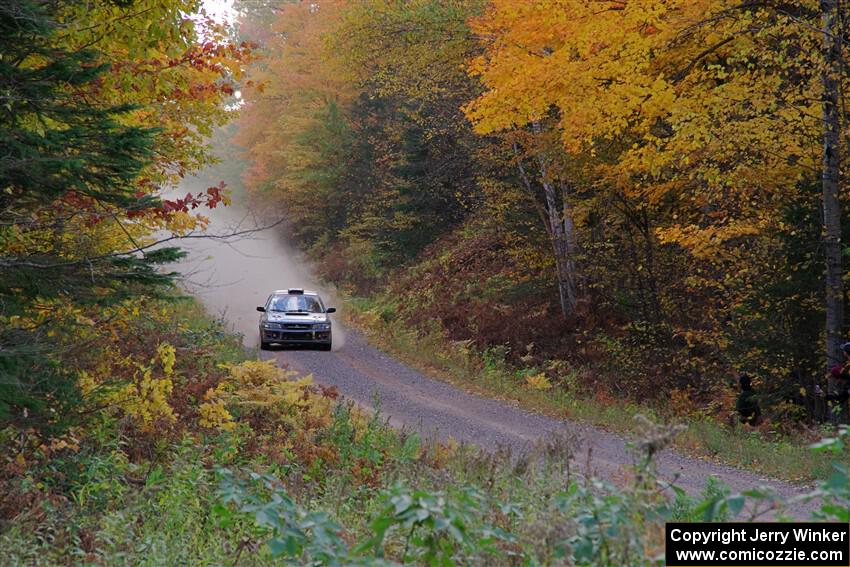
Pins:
<point x="261" y="309"/>
<point x="330" y="310"/>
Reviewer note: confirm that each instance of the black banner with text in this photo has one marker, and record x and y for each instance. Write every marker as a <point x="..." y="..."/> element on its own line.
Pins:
<point x="803" y="544"/>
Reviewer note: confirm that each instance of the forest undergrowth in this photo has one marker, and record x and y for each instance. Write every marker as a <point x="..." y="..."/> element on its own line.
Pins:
<point x="239" y="462"/>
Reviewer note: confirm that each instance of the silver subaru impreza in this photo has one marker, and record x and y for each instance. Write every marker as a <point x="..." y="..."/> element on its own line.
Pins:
<point x="295" y="316"/>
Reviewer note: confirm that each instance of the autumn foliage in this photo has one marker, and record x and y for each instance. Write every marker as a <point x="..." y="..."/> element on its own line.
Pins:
<point x="106" y="106"/>
<point x="639" y="183"/>
<point x="601" y="199"/>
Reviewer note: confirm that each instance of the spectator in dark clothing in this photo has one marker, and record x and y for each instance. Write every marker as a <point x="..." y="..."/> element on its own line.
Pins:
<point x="748" y="407"/>
<point x="840" y="393"/>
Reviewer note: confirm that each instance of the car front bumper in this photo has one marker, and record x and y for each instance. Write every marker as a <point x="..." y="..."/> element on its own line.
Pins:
<point x="295" y="337"/>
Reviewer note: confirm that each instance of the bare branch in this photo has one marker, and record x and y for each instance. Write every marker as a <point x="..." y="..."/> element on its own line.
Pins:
<point x="23" y="263"/>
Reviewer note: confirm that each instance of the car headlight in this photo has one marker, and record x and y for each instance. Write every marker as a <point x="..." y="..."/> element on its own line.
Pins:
<point x="268" y="325"/>
<point x="322" y="326"/>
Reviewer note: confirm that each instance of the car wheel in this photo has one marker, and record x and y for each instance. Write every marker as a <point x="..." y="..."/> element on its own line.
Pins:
<point x="263" y="344"/>
<point x="325" y="347"/>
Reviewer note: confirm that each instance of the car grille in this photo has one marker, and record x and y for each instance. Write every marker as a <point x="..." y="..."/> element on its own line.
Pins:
<point x="298" y="336"/>
<point x="297" y="326"/>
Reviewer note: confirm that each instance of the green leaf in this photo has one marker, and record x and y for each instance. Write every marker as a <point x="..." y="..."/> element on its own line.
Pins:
<point x="838" y="481"/>
<point x="277" y="547"/>
<point x="583" y="552"/>
<point x="833" y="444"/>
<point x="262" y="518"/>
<point x="410" y="448"/>
<point x="736" y="504"/>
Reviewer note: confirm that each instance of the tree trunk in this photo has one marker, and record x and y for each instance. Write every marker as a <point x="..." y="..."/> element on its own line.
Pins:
<point x="558" y="222"/>
<point x="561" y="235"/>
<point x="830" y="182"/>
<point x="569" y="234"/>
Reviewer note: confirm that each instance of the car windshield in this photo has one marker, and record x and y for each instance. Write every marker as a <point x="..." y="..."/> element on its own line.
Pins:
<point x="302" y="303"/>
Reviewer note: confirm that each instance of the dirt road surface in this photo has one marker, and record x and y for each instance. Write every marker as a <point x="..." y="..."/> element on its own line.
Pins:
<point x="434" y="408"/>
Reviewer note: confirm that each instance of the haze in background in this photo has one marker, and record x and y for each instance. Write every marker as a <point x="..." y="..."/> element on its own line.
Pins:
<point x="221" y="11"/>
<point x="233" y="276"/>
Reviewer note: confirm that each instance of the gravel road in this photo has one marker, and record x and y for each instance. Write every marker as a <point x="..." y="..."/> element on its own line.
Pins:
<point x="432" y="407"/>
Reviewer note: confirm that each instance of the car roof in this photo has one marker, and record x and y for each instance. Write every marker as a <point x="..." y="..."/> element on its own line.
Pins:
<point x="300" y="292"/>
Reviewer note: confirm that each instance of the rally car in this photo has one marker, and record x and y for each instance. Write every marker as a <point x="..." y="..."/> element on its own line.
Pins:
<point x="295" y="316"/>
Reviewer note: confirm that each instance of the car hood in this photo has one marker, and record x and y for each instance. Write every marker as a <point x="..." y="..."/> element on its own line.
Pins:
<point x="284" y="318"/>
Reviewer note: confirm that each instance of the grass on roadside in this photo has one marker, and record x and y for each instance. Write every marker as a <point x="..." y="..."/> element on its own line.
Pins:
<point x="488" y="373"/>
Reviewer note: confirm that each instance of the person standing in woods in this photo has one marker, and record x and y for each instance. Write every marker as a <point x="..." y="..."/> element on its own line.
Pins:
<point x="748" y="408"/>
<point x="839" y="394"/>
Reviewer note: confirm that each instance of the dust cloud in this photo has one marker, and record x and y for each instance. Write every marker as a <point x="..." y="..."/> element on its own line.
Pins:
<point x="232" y="276"/>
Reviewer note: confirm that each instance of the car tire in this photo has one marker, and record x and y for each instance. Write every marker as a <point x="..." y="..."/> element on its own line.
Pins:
<point x="325" y="347"/>
<point x="263" y="344"/>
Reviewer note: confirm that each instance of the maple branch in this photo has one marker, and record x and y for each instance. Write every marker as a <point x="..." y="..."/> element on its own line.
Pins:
<point x="806" y="24"/>
<point x="790" y="11"/>
<point x="525" y="181"/>
<point x="107" y="22"/>
<point x="684" y="72"/>
<point x="120" y="224"/>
